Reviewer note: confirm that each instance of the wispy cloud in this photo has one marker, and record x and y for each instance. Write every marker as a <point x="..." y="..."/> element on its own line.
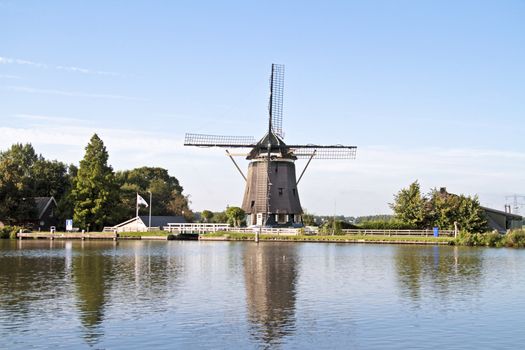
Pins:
<point x="32" y="90"/>
<point x="47" y="118"/>
<point x="7" y="76"/>
<point x="17" y="61"/>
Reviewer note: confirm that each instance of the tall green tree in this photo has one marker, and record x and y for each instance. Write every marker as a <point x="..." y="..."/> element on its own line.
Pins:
<point x="410" y="206"/>
<point x="16" y="184"/>
<point x="95" y="192"/>
<point x="50" y="178"/>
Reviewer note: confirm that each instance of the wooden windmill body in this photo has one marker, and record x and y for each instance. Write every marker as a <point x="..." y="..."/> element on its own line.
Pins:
<point x="271" y="197"/>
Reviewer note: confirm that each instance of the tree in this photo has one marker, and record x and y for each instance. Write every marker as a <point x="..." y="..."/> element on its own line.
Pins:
<point x="207" y="215"/>
<point x="95" y="193"/>
<point x="165" y="189"/>
<point x="438" y="209"/>
<point x="308" y="219"/>
<point x="236" y="216"/>
<point x="446" y="208"/>
<point x="220" y="217"/>
<point x="410" y="206"/>
<point x="16" y="183"/>
<point x="50" y="178"/>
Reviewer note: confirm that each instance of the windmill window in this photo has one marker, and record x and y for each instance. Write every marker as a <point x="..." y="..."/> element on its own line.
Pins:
<point x="253" y="203"/>
<point x="276" y="168"/>
<point x="294" y="191"/>
<point x="280" y="191"/>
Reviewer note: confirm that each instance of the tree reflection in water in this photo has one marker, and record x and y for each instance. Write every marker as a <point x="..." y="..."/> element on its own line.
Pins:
<point x="92" y="272"/>
<point x="270" y="272"/>
<point x="442" y="270"/>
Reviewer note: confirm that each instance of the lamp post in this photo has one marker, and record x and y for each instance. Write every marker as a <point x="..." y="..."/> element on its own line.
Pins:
<point x="149" y="220"/>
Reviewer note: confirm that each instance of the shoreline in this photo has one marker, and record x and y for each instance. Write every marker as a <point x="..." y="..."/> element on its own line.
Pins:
<point x="356" y="239"/>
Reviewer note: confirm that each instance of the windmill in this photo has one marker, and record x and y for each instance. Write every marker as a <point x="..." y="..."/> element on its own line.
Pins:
<point x="271" y="197"/>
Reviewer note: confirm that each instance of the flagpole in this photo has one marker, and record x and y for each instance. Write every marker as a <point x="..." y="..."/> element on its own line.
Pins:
<point x="137" y="205"/>
<point x="137" y="216"/>
<point x="149" y="222"/>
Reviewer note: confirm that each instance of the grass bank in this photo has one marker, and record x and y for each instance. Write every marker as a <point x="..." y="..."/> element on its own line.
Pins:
<point x="236" y="236"/>
<point x="144" y="234"/>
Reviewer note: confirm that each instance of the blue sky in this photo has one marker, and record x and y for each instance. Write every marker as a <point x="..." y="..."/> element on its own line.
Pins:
<point x="427" y="90"/>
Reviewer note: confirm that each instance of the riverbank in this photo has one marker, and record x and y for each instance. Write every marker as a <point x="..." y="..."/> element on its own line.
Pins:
<point x="378" y="239"/>
<point x="513" y="239"/>
<point x="155" y="235"/>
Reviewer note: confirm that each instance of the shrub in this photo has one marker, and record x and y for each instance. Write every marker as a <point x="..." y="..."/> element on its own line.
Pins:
<point x="385" y="225"/>
<point x="493" y="239"/>
<point x="515" y="239"/>
<point x="9" y="231"/>
<point x="470" y="239"/>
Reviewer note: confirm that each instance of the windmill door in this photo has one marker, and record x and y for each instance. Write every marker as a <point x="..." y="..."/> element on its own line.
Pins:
<point x="259" y="219"/>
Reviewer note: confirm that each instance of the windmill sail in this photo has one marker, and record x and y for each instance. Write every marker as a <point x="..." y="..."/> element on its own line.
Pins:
<point x="276" y="99"/>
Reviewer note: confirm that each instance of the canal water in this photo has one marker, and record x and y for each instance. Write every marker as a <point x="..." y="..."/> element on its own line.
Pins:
<point x="226" y="295"/>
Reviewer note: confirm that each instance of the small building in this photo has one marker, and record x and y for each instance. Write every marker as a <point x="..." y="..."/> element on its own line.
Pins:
<point x="45" y="208"/>
<point x="141" y="223"/>
<point x="502" y="221"/>
<point x="498" y="220"/>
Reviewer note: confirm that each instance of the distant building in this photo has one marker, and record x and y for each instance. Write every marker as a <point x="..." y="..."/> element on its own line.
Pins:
<point x="498" y="220"/>
<point x="140" y="223"/>
<point x="502" y="221"/>
<point x="46" y="213"/>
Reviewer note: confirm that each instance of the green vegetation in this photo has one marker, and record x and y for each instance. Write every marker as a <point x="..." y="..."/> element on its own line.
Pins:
<point x="236" y="216"/>
<point x="24" y="175"/>
<point x="240" y="236"/>
<point x="207" y="215"/>
<point x="165" y="189"/>
<point x="140" y="234"/>
<point x="513" y="239"/>
<point x="390" y="224"/>
<point x="93" y="194"/>
<point x="438" y="209"/>
<point x="9" y="231"/>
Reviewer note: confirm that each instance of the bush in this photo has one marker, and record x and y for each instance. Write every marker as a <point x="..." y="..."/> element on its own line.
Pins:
<point x="470" y="239"/>
<point x="385" y="225"/>
<point x="494" y="239"/>
<point x="515" y="239"/>
<point x="9" y="232"/>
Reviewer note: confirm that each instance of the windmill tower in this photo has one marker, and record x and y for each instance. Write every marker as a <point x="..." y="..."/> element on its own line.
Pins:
<point x="271" y="197"/>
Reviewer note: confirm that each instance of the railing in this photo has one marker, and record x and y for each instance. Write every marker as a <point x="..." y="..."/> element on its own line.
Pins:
<point x="307" y="230"/>
<point x="130" y="229"/>
<point x="265" y="230"/>
<point x="397" y="232"/>
<point x="195" y="228"/>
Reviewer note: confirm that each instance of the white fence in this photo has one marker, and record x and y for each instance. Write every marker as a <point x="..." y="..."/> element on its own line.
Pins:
<point x="425" y="233"/>
<point x="195" y="228"/>
<point x="130" y="229"/>
<point x="307" y="230"/>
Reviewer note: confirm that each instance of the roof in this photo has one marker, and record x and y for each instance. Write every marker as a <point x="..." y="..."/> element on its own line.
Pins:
<point x="42" y="203"/>
<point x="443" y="192"/>
<point x="160" y="221"/>
<point x="513" y="216"/>
<point x="276" y="145"/>
<point x="156" y="221"/>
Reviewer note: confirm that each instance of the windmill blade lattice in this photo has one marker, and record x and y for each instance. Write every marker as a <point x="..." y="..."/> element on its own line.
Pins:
<point x="324" y="152"/>
<point x="202" y="140"/>
<point x="276" y="99"/>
